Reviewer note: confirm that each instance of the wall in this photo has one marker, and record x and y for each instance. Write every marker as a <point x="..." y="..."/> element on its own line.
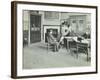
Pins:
<point x="26" y="20"/>
<point x="54" y="19"/>
<point x="5" y="41"/>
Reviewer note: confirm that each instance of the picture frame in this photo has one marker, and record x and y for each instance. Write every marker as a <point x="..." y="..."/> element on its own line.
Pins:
<point x="24" y="13"/>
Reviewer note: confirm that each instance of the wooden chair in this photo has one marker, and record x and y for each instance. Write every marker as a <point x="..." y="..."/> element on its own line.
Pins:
<point x="73" y="48"/>
<point x="83" y="48"/>
<point x="49" y="45"/>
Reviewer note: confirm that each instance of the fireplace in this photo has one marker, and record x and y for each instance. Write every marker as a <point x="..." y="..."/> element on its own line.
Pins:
<point x="54" y="28"/>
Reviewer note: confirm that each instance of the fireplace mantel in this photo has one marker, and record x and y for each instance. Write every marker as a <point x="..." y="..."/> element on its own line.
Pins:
<point x="45" y="27"/>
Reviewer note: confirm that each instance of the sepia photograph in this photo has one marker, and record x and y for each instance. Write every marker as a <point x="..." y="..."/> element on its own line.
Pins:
<point x="56" y="39"/>
<point x="53" y="39"/>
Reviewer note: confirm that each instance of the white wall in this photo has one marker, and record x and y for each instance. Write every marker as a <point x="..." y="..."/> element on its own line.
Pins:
<point x="5" y="41"/>
<point x="57" y="21"/>
<point x="26" y="20"/>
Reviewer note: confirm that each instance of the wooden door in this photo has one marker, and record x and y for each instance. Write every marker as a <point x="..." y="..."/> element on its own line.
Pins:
<point x="35" y="28"/>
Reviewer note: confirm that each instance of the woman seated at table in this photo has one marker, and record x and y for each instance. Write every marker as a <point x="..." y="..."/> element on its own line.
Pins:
<point x="85" y="35"/>
<point x="52" y="40"/>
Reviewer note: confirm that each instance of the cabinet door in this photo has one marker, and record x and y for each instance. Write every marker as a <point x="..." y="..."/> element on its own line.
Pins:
<point x="78" y="23"/>
<point x="35" y="28"/>
<point x="74" y="24"/>
<point x="81" y="24"/>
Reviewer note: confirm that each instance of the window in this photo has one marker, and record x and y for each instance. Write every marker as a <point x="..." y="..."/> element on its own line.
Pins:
<point x="51" y="15"/>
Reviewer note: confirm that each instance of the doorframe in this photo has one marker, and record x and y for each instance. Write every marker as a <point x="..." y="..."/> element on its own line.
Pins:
<point x="29" y="42"/>
<point x="29" y="27"/>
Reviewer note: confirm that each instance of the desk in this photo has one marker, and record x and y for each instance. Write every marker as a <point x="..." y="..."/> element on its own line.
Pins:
<point x="85" y="44"/>
<point x="70" y="38"/>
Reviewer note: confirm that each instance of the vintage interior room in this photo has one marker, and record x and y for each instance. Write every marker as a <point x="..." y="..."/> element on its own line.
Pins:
<point x="73" y="50"/>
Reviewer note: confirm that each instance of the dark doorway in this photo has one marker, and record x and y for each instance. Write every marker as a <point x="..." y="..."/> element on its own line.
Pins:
<point x="35" y="28"/>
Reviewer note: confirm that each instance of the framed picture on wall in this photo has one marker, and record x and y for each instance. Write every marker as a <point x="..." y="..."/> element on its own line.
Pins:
<point x="49" y="39"/>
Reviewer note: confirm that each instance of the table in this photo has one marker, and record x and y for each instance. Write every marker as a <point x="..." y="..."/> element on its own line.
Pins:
<point x="84" y="43"/>
<point x="70" y="38"/>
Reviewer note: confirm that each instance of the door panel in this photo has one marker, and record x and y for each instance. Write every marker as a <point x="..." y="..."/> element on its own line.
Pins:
<point x="35" y="28"/>
<point x="78" y="23"/>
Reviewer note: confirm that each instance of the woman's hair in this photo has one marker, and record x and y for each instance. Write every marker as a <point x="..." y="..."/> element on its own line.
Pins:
<point x="64" y="23"/>
<point x="65" y="30"/>
<point x="68" y="25"/>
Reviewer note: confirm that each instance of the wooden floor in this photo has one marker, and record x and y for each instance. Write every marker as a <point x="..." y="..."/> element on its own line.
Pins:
<point x="37" y="56"/>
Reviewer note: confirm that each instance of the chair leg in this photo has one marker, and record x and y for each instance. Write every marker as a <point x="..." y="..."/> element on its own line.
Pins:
<point x="47" y="46"/>
<point x="54" y="48"/>
<point x="77" y="53"/>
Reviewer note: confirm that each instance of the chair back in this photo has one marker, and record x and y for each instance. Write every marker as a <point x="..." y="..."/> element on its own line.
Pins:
<point x="48" y="40"/>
